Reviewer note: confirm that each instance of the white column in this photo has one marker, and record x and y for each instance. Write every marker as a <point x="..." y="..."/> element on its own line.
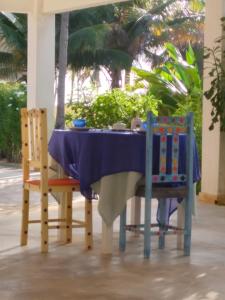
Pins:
<point x="213" y="168"/>
<point x="41" y="61"/>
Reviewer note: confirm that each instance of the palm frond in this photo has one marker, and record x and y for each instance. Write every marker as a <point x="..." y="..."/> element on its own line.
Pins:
<point x="89" y="38"/>
<point x="102" y="57"/>
<point x="12" y="33"/>
<point x="157" y="10"/>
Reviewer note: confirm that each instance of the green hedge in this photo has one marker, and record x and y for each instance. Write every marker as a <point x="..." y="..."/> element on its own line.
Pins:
<point x="12" y="98"/>
<point x="111" y="107"/>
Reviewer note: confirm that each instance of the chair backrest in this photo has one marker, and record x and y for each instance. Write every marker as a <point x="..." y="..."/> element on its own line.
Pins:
<point x="170" y="128"/>
<point x="34" y="142"/>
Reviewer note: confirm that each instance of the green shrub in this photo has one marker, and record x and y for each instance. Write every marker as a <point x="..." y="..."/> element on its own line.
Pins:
<point x="111" y="107"/>
<point x="12" y="98"/>
<point x="178" y="84"/>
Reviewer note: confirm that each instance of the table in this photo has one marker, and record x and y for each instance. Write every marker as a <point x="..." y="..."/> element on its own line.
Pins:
<point x="94" y="155"/>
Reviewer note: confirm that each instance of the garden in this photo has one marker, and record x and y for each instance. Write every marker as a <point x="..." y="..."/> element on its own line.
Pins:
<point x="156" y="47"/>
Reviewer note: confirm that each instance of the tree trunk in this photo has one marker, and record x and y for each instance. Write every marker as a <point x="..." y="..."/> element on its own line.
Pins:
<point x="63" y="45"/>
<point x="72" y="86"/>
<point x="116" y="78"/>
<point x="96" y="77"/>
<point x="127" y="77"/>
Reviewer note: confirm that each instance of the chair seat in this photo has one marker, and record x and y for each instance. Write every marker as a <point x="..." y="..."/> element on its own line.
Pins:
<point x="164" y="192"/>
<point x="56" y="182"/>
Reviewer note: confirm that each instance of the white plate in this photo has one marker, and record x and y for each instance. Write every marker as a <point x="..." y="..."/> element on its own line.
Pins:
<point x="79" y="128"/>
<point x="122" y="129"/>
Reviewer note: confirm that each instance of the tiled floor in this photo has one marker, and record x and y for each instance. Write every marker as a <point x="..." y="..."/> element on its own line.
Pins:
<point x="70" y="272"/>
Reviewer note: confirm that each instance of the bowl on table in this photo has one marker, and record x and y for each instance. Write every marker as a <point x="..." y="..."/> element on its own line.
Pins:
<point x="79" y="123"/>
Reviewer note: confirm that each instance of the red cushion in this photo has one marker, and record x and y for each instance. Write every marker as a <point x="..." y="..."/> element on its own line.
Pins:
<point x="54" y="182"/>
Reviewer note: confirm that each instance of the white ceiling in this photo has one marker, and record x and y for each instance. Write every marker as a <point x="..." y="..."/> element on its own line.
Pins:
<point x="49" y="6"/>
<point x="56" y="6"/>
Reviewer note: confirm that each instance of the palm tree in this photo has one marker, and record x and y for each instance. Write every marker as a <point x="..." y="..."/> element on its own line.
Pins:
<point x="116" y="39"/>
<point x="13" y="46"/>
<point x="62" y="67"/>
<point x="111" y="41"/>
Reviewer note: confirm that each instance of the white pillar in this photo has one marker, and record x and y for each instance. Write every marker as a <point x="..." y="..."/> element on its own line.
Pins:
<point x="213" y="167"/>
<point x="41" y="61"/>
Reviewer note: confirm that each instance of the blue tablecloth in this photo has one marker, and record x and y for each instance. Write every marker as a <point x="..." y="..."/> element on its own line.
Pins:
<point x="90" y="155"/>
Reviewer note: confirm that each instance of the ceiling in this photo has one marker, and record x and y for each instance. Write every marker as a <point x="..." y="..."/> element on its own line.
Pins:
<point x="50" y="6"/>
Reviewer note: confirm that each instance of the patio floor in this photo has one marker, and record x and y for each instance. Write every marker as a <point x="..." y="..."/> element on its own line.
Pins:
<point x="69" y="272"/>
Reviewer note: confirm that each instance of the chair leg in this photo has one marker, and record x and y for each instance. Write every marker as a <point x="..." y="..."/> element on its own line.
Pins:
<point x="44" y="222"/>
<point x="187" y="226"/>
<point x="25" y="218"/>
<point x="122" y="237"/>
<point x="180" y="224"/>
<point x="147" y="228"/>
<point x="69" y="211"/>
<point x="162" y="211"/>
<point x="88" y="227"/>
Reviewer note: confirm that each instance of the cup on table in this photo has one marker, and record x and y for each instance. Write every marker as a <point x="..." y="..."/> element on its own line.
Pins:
<point x="119" y="126"/>
<point x="136" y="123"/>
<point x="79" y="123"/>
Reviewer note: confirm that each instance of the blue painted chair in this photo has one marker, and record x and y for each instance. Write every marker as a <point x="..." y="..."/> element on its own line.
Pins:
<point x="163" y="185"/>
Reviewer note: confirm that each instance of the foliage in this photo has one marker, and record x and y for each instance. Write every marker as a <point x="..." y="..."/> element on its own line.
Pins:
<point x="12" y="98"/>
<point x="121" y="32"/>
<point x="13" y="52"/>
<point x="216" y="93"/>
<point x="111" y="107"/>
<point x="111" y="36"/>
<point x="179" y="22"/>
<point x="178" y="84"/>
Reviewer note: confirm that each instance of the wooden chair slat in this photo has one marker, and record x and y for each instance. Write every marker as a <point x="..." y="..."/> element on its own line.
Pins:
<point x="31" y="134"/>
<point x="35" y="164"/>
<point x="169" y="129"/>
<point x="176" y="120"/>
<point x="162" y="156"/>
<point x="175" y="152"/>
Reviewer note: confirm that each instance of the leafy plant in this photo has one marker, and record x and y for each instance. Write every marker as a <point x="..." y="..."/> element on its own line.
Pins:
<point x="12" y="98"/>
<point x="177" y="84"/>
<point x="13" y="52"/>
<point x="216" y="93"/>
<point x="111" y="107"/>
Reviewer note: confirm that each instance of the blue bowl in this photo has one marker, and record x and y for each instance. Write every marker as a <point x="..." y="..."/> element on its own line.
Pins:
<point x="144" y="125"/>
<point x="79" y="123"/>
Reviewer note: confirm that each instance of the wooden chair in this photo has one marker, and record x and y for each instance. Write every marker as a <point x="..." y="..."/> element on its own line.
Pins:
<point x="35" y="157"/>
<point x="154" y="187"/>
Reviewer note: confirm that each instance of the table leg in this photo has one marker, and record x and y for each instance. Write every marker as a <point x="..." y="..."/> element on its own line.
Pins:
<point x="62" y="237"/>
<point x="107" y="238"/>
<point x="135" y="213"/>
<point x="56" y="171"/>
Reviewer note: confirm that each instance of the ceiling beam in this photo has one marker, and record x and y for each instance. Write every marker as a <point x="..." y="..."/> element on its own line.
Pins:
<point x="16" y="6"/>
<point x="59" y="6"/>
<point x="50" y="6"/>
